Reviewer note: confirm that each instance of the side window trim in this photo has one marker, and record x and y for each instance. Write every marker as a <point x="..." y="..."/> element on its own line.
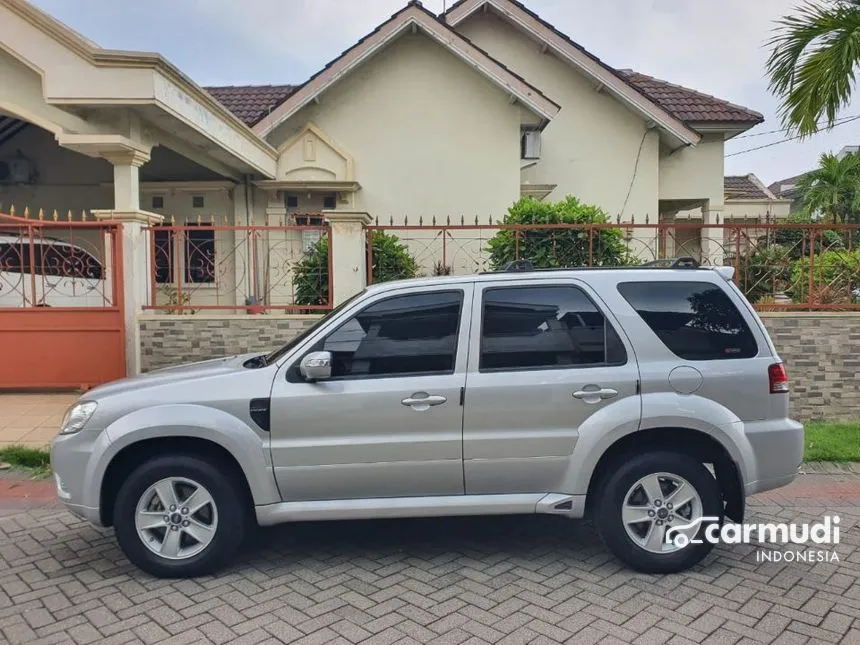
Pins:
<point x="466" y="289"/>
<point x="476" y="336"/>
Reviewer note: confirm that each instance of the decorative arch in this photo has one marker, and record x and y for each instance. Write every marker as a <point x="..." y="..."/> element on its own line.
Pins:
<point x="312" y="155"/>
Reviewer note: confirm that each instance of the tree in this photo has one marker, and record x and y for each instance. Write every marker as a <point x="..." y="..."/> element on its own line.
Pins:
<point x="560" y="247"/>
<point x="813" y="60"/>
<point x="833" y="189"/>
<point x="391" y="261"/>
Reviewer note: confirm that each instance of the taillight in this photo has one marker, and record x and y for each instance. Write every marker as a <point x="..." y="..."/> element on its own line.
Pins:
<point x="778" y="376"/>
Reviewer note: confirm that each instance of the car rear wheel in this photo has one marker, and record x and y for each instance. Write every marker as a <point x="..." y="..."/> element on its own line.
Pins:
<point x="179" y="516"/>
<point x="653" y="511"/>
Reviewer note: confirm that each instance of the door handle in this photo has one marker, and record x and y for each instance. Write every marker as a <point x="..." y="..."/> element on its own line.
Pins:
<point x="421" y="401"/>
<point x="595" y="395"/>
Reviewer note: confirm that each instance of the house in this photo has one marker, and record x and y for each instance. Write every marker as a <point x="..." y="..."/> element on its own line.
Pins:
<point x="748" y="200"/>
<point x="451" y="116"/>
<point x="426" y="116"/>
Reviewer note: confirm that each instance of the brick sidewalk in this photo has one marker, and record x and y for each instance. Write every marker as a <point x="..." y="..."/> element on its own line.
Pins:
<point x="450" y="581"/>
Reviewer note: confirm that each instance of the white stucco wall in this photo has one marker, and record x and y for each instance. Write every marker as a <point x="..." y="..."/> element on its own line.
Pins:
<point x="428" y="134"/>
<point x="755" y="210"/>
<point x="694" y="173"/>
<point x="590" y="148"/>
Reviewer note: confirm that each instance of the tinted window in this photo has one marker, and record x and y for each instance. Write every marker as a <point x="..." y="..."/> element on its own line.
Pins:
<point x="545" y="327"/>
<point x="695" y="320"/>
<point x="415" y="334"/>
<point x="49" y="260"/>
<point x="10" y="258"/>
<point x="66" y="262"/>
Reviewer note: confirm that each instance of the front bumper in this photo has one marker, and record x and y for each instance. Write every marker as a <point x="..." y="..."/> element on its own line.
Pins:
<point x="777" y="447"/>
<point x="70" y="461"/>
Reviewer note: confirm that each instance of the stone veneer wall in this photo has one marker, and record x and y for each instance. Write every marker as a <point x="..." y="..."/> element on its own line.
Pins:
<point x="170" y="340"/>
<point x="822" y="351"/>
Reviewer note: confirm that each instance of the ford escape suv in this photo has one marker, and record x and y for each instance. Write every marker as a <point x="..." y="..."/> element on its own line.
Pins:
<point x="649" y="398"/>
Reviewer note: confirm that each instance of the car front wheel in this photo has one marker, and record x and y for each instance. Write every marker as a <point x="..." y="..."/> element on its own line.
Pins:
<point x="654" y="509"/>
<point x="178" y="516"/>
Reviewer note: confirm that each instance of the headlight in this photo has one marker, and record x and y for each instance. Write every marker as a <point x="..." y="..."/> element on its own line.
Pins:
<point x="77" y="416"/>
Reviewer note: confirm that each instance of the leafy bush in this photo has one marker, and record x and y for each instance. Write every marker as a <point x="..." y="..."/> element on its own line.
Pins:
<point x="765" y="272"/>
<point x="555" y="248"/>
<point x="836" y="275"/>
<point x="391" y="261"/>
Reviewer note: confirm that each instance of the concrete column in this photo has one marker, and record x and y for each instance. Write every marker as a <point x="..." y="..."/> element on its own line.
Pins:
<point x="136" y="274"/>
<point x="126" y="177"/>
<point x="712" y="237"/>
<point x="348" y="251"/>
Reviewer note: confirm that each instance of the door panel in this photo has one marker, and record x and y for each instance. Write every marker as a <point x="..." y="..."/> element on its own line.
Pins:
<point x="353" y="436"/>
<point x="548" y="360"/>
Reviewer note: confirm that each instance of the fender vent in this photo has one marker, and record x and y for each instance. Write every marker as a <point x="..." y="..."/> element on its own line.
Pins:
<point x="260" y="413"/>
<point x="564" y="506"/>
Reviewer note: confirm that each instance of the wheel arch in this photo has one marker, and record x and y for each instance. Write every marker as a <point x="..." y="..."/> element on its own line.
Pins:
<point x="170" y="429"/>
<point x="703" y="446"/>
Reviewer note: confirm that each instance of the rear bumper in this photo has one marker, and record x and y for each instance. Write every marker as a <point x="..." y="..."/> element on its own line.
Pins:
<point x="777" y="447"/>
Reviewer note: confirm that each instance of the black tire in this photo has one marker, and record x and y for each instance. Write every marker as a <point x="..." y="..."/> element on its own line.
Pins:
<point x="611" y="496"/>
<point x="232" y="506"/>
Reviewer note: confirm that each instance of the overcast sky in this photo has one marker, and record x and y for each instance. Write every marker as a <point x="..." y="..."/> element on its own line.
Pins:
<point x="714" y="46"/>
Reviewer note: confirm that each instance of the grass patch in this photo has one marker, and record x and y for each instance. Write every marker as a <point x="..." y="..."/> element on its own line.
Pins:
<point x="33" y="460"/>
<point x="832" y="441"/>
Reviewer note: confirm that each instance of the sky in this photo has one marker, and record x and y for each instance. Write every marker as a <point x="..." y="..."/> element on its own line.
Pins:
<point x="714" y="46"/>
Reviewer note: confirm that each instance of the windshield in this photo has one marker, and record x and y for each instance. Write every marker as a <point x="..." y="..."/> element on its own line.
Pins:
<point x="280" y="353"/>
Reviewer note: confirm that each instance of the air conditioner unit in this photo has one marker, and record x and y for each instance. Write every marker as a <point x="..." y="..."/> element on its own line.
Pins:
<point x="15" y="170"/>
<point x="530" y="144"/>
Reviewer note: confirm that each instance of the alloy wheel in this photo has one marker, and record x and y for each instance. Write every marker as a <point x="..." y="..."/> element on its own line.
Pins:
<point x="176" y="518"/>
<point x="657" y="503"/>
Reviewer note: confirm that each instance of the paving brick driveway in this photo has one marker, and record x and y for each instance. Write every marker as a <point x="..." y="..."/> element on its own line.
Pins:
<point x="484" y="580"/>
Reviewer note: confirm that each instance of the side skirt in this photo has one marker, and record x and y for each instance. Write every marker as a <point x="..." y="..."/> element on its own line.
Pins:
<point x="448" y="505"/>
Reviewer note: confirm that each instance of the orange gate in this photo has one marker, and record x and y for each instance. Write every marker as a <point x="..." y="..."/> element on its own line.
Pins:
<point x="61" y="304"/>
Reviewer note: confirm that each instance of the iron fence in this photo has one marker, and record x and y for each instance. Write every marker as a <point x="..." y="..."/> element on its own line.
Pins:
<point x="778" y="266"/>
<point x="58" y="263"/>
<point x="253" y="269"/>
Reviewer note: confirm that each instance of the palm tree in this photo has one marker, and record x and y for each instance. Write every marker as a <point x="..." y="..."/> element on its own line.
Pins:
<point x="813" y="60"/>
<point x="832" y="190"/>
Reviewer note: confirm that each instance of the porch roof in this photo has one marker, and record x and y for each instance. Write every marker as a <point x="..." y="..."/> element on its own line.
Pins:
<point x="76" y="73"/>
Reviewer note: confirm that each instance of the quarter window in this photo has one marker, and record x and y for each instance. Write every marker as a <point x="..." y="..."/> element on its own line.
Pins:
<point x="696" y="321"/>
<point x="403" y="335"/>
<point x="548" y="327"/>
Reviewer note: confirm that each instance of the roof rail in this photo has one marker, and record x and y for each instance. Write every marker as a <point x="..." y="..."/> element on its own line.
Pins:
<point x="517" y="266"/>
<point x="683" y="262"/>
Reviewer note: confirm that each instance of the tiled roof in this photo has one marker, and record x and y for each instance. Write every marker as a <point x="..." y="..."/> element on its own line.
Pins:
<point x="780" y="187"/>
<point x="681" y="102"/>
<point x="745" y="187"/>
<point x="689" y="105"/>
<point x="251" y="102"/>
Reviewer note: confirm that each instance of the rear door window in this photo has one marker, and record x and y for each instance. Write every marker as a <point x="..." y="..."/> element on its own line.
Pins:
<point x="696" y="321"/>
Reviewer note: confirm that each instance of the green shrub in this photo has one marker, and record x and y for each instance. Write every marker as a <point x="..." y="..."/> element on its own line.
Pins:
<point x="391" y="261"/>
<point x="765" y="272"/>
<point x="554" y="248"/>
<point x="835" y="275"/>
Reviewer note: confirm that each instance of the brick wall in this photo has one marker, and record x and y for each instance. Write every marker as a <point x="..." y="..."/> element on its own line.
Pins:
<point x="170" y="340"/>
<point x="822" y="351"/>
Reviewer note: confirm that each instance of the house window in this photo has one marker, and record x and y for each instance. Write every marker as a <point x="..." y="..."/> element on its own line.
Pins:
<point x="198" y="257"/>
<point x="309" y="220"/>
<point x="530" y="144"/>
<point x="158" y="201"/>
<point x="197" y="201"/>
<point x="292" y="201"/>
<point x="329" y="202"/>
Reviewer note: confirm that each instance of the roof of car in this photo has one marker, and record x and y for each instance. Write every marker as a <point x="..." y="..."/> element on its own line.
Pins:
<point x="14" y="238"/>
<point x="636" y="272"/>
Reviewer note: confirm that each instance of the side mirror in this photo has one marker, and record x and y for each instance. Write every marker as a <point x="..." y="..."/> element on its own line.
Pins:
<point x="316" y="366"/>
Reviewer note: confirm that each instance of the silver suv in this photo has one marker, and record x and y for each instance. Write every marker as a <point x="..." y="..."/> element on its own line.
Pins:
<point x="648" y="398"/>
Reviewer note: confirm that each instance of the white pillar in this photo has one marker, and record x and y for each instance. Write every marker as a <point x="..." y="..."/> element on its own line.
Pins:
<point x="349" y="252"/>
<point x="136" y="274"/>
<point x="712" y="236"/>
